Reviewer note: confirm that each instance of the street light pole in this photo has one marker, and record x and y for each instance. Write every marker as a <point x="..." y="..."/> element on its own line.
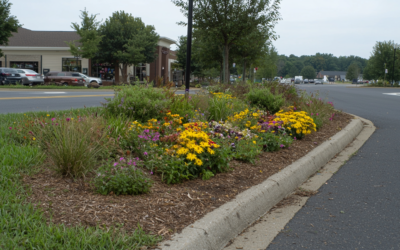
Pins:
<point x="189" y="48"/>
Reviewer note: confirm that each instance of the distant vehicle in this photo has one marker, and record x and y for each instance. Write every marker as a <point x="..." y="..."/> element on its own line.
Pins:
<point x="89" y="79"/>
<point x="232" y="80"/>
<point x="318" y="82"/>
<point x="298" y="79"/>
<point x="365" y="81"/>
<point x="311" y="81"/>
<point x="65" y="78"/>
<point x="32" y="77"/>
<point x="11" y="76"/>
<point x="305" y="81"/>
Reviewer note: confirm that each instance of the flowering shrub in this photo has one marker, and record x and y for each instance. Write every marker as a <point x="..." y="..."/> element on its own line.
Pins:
<point x="122" y="177"/>
<point x="220" y="106"/>
<point x="298" y="124"/>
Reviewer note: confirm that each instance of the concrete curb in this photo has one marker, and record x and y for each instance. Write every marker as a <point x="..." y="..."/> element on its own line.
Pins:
<point x="218" y="227"/>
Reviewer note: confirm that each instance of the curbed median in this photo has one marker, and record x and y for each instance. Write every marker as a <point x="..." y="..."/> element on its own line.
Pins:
<point x="218" y="227"/>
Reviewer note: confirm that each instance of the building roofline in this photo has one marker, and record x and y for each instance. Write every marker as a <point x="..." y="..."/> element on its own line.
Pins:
<point x="32" y="48"/>
<point x="169" y="40"/>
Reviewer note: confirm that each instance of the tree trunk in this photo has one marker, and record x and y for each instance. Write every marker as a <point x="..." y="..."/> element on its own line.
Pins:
<point x="124" y="68"/>
<point x="244" y="71"/>
<point x="226" y="66"/>
<point x="116" y="72"/>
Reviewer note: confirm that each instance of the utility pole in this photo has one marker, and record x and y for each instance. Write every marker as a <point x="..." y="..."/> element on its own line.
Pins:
<point x="394" y="61"/>
<point x="384" y="78"/>
<point x="189" y="48"/>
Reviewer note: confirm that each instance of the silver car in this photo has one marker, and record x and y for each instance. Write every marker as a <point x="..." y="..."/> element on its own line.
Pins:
<point x="89" y="79"/>
<point x="31" y="77"/>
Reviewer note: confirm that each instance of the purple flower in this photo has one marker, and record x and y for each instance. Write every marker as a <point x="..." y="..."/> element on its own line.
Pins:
<point x="312" y="114"/>
<point x="115" y="164"/>
<point x="121" y="159"/>
<point x="53" y="119"/>
<point x="317" y="113"/>
<point x="145" y="153"/>
<point x="68" y="119"/>
<point x="151" y="172"/>
<point x="282" y="146"/>
<point x="294" y="138"/>
<point x="10" y="127"/>
<point x="56" y="124"/>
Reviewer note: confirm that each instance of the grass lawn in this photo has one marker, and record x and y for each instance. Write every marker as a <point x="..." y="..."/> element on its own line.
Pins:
<point x="22" y="226"/>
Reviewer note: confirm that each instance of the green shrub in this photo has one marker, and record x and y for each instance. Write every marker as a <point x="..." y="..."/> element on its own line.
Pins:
<point x="246" y="150"/>
<point x="137" y="102"/>
<point x="263" y="98"/>
<point x="271" y="142"/>
<point x="73" y="147"/>
<point x="122" y="177"/>
<point x="320" y="110"/>
<point x="174" y="170"/>
<point x="198" y="86"/>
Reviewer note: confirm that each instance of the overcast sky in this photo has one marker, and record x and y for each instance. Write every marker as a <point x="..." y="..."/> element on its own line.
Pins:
<point x="339" y="27"/>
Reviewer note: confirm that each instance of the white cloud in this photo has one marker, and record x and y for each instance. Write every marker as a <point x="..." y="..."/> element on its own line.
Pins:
<point x="340" y="27"/>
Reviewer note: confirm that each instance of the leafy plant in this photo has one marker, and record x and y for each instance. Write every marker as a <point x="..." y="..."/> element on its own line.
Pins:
<point x="265" y="99"/>
<point x="122" y="177"/>
<point x="221" y="106"/>
<point x="138" y="102"/>
<point x="271" y="142"/>
<point x="246" y="150"/>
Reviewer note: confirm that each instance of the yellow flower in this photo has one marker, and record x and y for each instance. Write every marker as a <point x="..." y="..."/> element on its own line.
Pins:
<point x="191" y="157"/>
<point x="198" y="162"/>
<point x="34" y="138"/>
<point x="48" y="115"/>
<point x="254" y="142"/>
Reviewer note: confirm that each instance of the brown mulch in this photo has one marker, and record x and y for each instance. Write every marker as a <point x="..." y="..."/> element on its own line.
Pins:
<point x="167" y="208"/>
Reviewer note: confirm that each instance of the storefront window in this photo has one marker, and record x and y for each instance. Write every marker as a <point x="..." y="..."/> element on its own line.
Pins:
<point x="104" y="71"/>
<point x="25" y="65"/>
<point x="71" y="65"/>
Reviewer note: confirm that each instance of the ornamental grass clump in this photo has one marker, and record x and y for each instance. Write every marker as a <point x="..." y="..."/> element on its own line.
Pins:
<point x="122" y="177"/>
<point x="74" y="146"/>
<point x="221" y="106"/>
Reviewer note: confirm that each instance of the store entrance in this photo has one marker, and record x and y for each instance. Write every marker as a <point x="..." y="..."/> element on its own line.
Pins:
<point x="104" y="71"/>
<point x="141" y="72"/>
<point x="25" y="65"/>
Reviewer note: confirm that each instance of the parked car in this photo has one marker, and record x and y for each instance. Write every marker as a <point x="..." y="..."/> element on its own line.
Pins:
<point x="305" y="81"/>
<point x="318" y="82"/>
<point x="10" y="76"/>
<point x="65" y="78"/>
<point x="311" y="81"/>
<point x="90" y="79"/>
<point x="32" y="77"/>
<point x="297" y="81"/>
<point x="365" y="81"/>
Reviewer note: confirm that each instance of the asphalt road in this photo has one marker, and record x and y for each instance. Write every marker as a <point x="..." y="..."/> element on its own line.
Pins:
<point x="19" y="101"/>
<point x="359" y="207"/>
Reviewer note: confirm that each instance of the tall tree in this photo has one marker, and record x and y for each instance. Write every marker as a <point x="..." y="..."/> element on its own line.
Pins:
<point x="383" y="52"/>
<point x="308" y="72"/>
<point x="88" y="44"/>
<point x="227" y="21"/>
<point x="268" y="64"/>
<point x="8" y="23"/>
<point x="127" y="41"/>
<point x="353" y="72"/>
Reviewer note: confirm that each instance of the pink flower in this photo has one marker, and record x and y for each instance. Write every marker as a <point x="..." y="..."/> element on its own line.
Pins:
<point x="151" y="172"/>
<point x="68" y="119"/>
<point x="145" y="153"/>
<point x="121" y="159"/>
<point x="10" y="127"/>
<point x="53" y="119"/>
<point x="115" y="164"/>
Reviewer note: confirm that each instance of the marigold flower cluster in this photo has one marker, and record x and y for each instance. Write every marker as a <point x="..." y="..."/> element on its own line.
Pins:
<point x="222" y="95"/>
<point x="298" y="123"/>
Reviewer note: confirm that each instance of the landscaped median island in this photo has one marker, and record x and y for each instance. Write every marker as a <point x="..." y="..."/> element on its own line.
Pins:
<point x="149" y="162"/>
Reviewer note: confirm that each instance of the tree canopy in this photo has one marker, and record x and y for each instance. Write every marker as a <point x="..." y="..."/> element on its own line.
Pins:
<point x="353" y="72"/>
<point x="8" y="23"/>
<point x="88" y="44"/>
<point x="308" y="72"/>
<point x="382" y="52"/>
<point x="127" y="41"/>
<point x="226" y="22"/>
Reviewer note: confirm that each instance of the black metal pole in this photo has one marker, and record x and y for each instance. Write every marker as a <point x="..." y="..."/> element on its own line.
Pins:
<point x="394" y="62"/>
<point x="189" y="47"/>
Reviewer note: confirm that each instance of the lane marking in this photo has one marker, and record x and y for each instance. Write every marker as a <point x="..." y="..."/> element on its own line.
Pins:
<point x="397" y="94"/>
<point x="49" y="97"/>
<point x="54" y="92"/>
